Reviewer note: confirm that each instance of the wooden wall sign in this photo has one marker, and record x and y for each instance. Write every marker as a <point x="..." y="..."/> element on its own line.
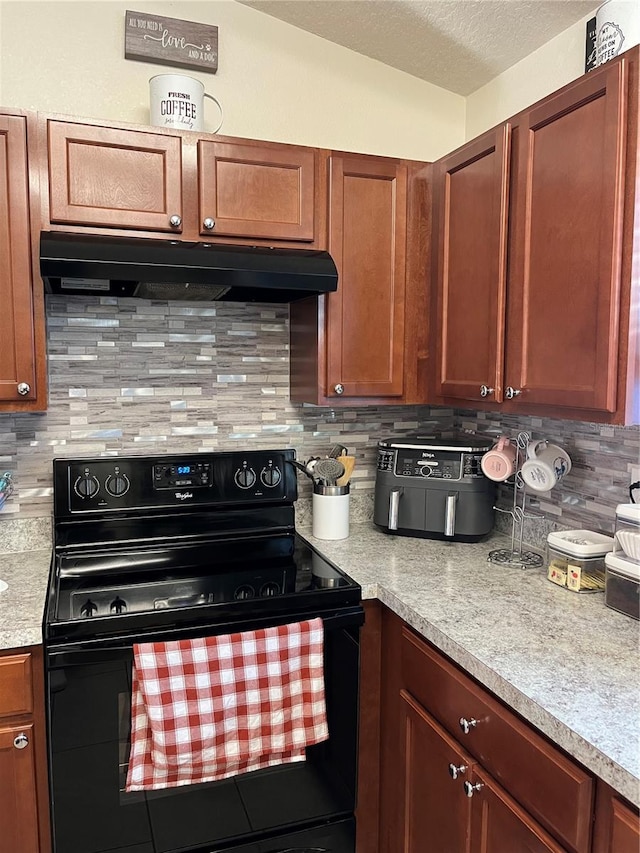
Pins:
<point x="170" y="41"/>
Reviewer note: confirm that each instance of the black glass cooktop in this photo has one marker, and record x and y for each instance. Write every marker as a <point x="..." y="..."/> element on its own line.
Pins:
<point x="104" y="591"/>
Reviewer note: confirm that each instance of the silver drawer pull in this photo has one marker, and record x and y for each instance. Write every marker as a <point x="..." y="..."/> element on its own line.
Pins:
<point x="470" y="789"/>
<point x="457" y="770"/>
<point x="467" y="725"/>
<point x="21" y="741"/>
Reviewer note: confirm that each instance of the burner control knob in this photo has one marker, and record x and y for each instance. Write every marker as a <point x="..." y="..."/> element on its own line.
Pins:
<point x="243" y="592"/>
<point x="270" y="477"/>
<point x="86" y="486"/>
<point x="269" y="590"/>
<point x="245" y="478"/>
<point x="118" y="605"/>
<point x="117" y="485"/>
<point x="88" y="608"/>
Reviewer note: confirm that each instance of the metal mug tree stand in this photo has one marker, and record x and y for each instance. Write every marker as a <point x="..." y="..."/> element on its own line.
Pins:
<point x="516" y="556"/>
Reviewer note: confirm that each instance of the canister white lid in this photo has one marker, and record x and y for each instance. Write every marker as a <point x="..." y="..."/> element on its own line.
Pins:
<point x="622" y="566"/>
<point x="581" y="543"/>
<point x="629" y="512"/>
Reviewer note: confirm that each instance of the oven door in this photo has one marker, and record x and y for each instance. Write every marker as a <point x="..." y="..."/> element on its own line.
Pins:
<point x="300" y="806"/>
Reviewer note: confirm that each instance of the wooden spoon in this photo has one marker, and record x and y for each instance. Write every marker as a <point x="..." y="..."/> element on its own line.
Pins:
<point x="349" y="464"/>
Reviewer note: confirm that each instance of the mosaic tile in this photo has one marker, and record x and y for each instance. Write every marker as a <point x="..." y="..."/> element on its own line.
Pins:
<point x="138" y="376"/>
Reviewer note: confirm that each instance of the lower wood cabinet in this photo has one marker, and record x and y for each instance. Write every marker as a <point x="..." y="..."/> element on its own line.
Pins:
<point x="24" y="809"/>
<point x="617" y="824"/>
<point x="462" y="773"/>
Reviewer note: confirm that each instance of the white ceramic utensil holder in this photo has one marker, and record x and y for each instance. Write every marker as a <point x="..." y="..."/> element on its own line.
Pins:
<point x="330" y="511"/>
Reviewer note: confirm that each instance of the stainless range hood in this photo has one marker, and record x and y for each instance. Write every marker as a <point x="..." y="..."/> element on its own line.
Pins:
<point x="164" y="269"/>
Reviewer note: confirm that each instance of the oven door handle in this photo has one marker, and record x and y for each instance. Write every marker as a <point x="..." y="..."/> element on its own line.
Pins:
<point x="105" y="650"/>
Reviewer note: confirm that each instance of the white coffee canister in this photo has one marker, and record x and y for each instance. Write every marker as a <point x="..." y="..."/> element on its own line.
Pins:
<point x="177" y="101"/>
<point x="617" y="28"/>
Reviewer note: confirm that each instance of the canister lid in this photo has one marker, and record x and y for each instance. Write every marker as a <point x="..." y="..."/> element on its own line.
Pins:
<point x="628" y="512"/>
<point x="581" y="543"/>
<point x="622" y="566"/>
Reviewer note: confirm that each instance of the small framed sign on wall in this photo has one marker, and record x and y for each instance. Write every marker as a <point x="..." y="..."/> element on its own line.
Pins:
<point x="170" y="41"/>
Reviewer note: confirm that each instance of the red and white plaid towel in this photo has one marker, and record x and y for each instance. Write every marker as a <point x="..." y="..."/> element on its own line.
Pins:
<point x="214" y="707"/>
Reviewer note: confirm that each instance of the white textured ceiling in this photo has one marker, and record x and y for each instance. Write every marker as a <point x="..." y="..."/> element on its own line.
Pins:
<point x="457" y="44"/>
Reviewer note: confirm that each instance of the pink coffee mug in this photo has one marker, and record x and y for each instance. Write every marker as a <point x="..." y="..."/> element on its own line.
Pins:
<point x="500" y="462"/>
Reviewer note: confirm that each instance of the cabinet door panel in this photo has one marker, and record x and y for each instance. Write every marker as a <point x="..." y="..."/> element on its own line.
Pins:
<point x="257" y="191"/>
<point x="566" y="232"/>
<point x="437" y="812"/>
<point x="500" y="825"/>
<point x="367" y="239"/>
<point x="18" y="812"/>
<point x="17" y="340"/>
<point x="625" y="829"/>
<point x="548" y="784"/>
<point x="471" y="212"/>
<point x="114" y="178"/>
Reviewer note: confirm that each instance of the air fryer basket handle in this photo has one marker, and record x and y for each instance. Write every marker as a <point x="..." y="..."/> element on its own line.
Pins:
<point x="394" y="506"/>
<point x="450" y="514"/>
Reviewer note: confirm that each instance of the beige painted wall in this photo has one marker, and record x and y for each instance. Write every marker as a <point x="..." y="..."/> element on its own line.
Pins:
<point x="274" y="81"/>
<point x="556" y="63"/>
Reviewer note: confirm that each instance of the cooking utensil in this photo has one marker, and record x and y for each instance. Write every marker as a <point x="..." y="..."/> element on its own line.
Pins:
<point x="349" y="464"/>
<point x="337" y="450"/>
<point x="301" y="467"/>
<point x="328" y="471"/>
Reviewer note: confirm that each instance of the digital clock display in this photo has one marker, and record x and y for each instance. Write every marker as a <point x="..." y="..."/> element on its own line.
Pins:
<point x="183" y="469"/>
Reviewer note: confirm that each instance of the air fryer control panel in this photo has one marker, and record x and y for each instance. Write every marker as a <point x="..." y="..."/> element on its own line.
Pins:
<point x="433" y="463"/>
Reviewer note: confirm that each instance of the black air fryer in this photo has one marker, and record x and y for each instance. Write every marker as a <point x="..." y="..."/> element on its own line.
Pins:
<point x="433" y="487"/>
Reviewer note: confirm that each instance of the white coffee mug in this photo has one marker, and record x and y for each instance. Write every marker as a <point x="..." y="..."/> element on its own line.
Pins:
<point x="545" y="466"/>
<point x="177" y="101"/>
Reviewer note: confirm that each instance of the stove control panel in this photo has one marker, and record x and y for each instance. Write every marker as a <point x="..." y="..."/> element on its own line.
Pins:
<point x="109" y="484"/>
<point x="187" y="472"/>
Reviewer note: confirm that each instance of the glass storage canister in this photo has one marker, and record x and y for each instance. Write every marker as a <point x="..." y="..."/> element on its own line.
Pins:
<point x="575" y="559"/>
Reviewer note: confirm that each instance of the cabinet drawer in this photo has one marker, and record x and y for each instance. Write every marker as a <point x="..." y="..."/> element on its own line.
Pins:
<point x="541" y="778"/>
<point x="15" y="685"/>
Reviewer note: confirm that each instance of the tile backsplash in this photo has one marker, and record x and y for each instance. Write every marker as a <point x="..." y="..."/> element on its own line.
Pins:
<point x="146" y="377"/>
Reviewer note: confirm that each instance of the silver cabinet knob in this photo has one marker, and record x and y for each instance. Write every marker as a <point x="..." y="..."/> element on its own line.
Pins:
<point x="209" y="223"/>
<point x="21" y="741"/>
<point x="485" y="391"/>
<point x="510" y="392"/>
<point x="23" y="388"/>
<point x="470" y="789"/>
<point x="467" y="725"/>
<point x="455" y="771"/>
<point x="175" y="221"/>
<point x="339" y="388"/>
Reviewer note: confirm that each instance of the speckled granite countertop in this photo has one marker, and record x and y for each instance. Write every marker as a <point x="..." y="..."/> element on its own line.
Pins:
<point x="564" y="661"/>
<point x="22" y="603"/>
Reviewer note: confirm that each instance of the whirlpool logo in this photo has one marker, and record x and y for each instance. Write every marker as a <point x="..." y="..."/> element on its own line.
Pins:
<point x="184" y="496"/>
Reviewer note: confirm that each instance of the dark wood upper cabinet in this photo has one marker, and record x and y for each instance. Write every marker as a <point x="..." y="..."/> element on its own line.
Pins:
<point x="566" y="245"/>
<point x="366" y="343"/>
<point x="257" y="190"/>
<point x="534" y="278"/>
<point x="20" y="344"/>
<point x="471" y="263"/>
<point x="160" y="184"/>
<point x="367" y="239"/>
<point x="114" y="179"/>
